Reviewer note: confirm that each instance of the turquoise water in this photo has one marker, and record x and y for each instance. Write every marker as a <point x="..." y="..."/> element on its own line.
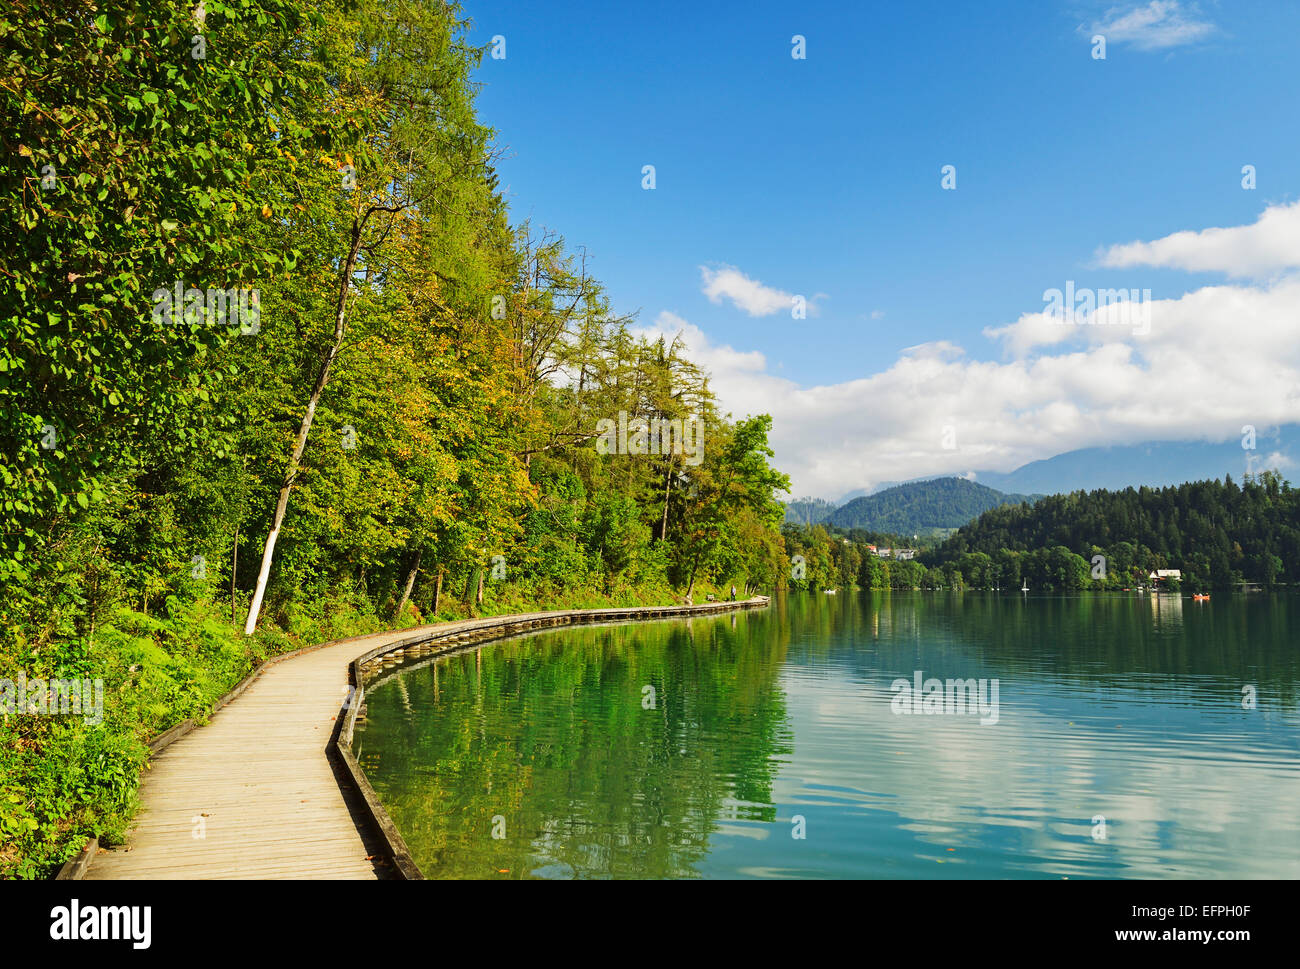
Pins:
<point x="774" y="744"/>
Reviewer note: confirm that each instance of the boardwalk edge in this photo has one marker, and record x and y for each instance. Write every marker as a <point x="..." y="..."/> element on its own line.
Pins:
<point x="75" y="868"/>
<point x="452" y="635"/>
<point x="437" y="637"/>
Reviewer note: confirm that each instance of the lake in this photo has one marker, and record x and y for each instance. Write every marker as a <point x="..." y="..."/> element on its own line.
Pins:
<point x="1120" y="736"/>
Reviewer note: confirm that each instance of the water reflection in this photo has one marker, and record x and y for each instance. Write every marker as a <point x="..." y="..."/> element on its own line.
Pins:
<point x="1127" y="708"/>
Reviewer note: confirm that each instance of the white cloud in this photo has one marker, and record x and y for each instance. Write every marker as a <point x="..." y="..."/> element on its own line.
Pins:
<point x="1264" y="247"/>
<point x="1212" y="360"/>
<point x="1159" y="25"/>
<point x="747" y="294"/>
<point x="1032" y="330"/>
<point x="712" y="358"/>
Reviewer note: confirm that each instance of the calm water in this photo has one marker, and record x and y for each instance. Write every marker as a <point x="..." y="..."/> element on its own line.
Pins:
<point x="1125" y="708"/>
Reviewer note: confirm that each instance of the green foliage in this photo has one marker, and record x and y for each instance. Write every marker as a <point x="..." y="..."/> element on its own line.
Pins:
<point x="126" y="168"/>
<point x="417" y="401"/>
<point x="1216" y="533"/>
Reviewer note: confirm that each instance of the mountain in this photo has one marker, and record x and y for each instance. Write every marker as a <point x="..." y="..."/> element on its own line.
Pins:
<point x="922" y="506"/>
<point x="808" y="511"/>
<point x="1156" y="464"/>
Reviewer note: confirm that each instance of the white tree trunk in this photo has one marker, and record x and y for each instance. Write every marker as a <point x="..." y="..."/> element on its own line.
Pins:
<point x="300" y="443"/>
<point x="410" y="583"/>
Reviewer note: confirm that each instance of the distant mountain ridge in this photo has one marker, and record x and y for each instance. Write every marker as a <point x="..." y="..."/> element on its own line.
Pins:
<point x="914" y="508"/>
<point x="1156" y="464"/>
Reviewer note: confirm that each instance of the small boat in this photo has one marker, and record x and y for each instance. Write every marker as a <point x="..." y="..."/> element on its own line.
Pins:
<point x="830" y="592"/>
<point x="1201" y="597"/>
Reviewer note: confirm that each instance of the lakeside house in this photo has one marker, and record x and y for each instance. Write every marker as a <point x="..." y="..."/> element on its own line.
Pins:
<point x="1165" y="574"/>
<point x="902" y="554"/>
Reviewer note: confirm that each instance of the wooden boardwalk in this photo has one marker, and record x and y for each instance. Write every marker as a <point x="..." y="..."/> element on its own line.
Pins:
<point x="255" y="793"/>
<point x="259" y="780"/>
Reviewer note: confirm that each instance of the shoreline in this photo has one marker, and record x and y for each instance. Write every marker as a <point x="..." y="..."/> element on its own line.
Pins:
<point x="430" y="639"/>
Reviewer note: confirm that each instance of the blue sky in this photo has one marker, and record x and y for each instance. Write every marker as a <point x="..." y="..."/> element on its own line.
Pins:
<point x="822" y="177"/>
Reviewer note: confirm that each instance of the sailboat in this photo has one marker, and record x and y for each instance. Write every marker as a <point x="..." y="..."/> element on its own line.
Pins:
<point x="1025" y="587"/>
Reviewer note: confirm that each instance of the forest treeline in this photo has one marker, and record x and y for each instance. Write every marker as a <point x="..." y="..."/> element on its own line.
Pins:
<point x="1218" y="534"/>
<point x="276" y="357"/>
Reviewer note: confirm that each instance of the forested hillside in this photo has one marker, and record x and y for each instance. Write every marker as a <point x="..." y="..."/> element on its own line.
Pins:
<point x="1216" y="532"/>
<point x="920" y="506"/>
<point x="276" y="359"/>
<point x="808" y="511"/>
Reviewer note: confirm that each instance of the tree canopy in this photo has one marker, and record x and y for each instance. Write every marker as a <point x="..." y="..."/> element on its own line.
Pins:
<point x="275" y="354"/>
